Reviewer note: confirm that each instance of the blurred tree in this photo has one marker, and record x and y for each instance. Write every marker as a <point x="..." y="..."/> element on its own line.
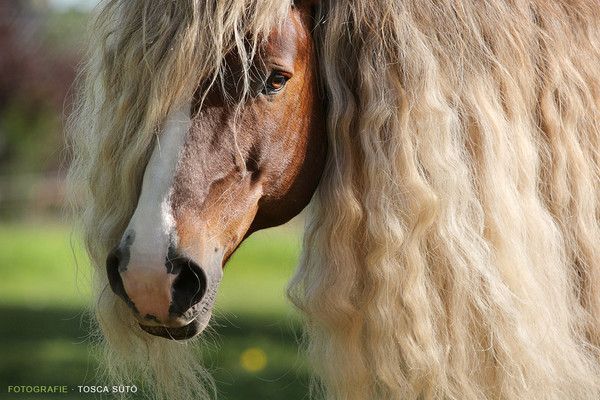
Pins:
<point x="39" y="51"/>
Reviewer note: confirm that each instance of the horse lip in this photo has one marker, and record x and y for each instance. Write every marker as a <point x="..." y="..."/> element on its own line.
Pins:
<point x="179" y="333"/>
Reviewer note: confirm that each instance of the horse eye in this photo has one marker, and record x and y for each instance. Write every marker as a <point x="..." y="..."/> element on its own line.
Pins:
<point x="275" y="82"/>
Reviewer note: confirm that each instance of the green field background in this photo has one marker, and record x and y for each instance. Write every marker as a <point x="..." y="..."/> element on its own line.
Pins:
<point x="44" y="293"/>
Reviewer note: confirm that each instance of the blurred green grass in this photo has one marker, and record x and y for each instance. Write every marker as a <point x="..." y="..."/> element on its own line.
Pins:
<point x="44" y="290"/>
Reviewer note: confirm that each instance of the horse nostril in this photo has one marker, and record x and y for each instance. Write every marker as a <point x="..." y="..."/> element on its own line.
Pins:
<point x="189" y="286"/>
<point x="113" y="267"/>
<point x="113" y="260"/>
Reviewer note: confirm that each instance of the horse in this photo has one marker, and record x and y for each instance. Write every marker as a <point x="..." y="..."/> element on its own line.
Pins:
<point x="448" y="152"/>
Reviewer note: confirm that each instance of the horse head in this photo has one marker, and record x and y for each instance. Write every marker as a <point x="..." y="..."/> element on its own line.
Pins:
<point x="237" y="157"/>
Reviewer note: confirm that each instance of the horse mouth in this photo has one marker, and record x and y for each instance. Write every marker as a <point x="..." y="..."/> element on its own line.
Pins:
<point x="180" y="333"/>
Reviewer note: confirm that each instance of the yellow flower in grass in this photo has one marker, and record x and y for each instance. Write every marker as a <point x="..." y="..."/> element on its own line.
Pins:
<point x="253" y="359"/>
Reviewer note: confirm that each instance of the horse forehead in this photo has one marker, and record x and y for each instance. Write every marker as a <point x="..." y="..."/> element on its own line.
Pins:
<point x="289" y="40"/>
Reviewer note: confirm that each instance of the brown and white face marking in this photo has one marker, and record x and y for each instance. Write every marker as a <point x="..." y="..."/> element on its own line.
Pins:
<point x="214" y="178"/>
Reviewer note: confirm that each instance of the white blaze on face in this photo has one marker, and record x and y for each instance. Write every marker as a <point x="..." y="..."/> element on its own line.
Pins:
<point x="152" y="220"/>
<point x="152" y="224"/>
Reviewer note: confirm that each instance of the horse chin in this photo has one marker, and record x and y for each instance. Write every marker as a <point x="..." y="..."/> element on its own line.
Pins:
<point x="188" y="331"/>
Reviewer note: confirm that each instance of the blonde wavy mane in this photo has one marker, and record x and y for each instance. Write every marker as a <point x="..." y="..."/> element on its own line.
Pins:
<point x="453" y="247"/>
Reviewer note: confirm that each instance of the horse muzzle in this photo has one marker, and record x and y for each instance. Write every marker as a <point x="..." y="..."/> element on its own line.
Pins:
<point x="173" y="299"/>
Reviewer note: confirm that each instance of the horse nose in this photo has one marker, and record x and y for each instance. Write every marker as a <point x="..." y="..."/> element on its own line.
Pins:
<point x="164" y="292"/>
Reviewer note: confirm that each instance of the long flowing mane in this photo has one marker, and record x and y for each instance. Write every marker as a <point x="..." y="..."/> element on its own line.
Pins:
<point x="453" y="247"/>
